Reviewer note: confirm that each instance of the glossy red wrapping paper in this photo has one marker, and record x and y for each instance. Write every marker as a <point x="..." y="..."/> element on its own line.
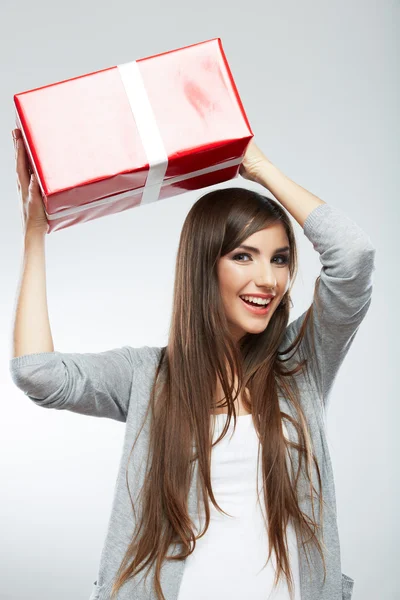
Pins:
<point x="91" y="160"/>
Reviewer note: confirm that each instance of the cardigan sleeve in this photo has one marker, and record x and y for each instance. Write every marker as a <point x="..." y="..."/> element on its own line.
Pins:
<point x="96" y="384"/>
<point x="342" y="294"/>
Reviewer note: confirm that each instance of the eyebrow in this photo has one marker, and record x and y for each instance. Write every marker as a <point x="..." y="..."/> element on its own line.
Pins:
<point x="257" y="251"/>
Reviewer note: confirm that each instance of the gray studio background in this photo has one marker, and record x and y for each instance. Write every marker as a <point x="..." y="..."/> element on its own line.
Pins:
<point x="321" y="90"/>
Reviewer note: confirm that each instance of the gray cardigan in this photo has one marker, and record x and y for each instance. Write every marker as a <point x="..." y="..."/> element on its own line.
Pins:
<point x="116" y="384"/>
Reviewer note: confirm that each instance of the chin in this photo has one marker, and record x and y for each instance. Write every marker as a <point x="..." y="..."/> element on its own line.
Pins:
<point x="256" y="330"/>
<point x="245" y="329"/>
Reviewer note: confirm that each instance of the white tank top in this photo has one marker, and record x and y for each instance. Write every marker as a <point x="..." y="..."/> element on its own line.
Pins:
<point x="228" y="561"/>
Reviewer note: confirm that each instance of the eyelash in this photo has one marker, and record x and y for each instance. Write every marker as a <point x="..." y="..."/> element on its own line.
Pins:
<point x="285" y="257"/>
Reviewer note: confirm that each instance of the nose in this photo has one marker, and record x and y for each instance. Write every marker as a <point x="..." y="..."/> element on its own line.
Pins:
<point x="266" y="277"/>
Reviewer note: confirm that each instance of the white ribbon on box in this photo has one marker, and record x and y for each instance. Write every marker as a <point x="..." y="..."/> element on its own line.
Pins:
<point x="156" y="154"/>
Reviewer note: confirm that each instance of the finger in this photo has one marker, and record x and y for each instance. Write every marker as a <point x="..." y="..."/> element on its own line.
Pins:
<point x="22" y="165"/>
<point x="15" y="135"/>
<point x="27" y="162"/>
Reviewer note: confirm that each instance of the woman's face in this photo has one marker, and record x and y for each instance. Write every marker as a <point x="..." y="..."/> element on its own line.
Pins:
<point x="262" y="270"/>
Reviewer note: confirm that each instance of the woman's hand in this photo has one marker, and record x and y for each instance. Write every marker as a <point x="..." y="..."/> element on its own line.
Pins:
<point x="32" y="210"/>
<point x="253" y="162"/>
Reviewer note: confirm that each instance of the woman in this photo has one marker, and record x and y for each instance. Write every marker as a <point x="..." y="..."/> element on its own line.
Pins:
<point x="206" y="507"/>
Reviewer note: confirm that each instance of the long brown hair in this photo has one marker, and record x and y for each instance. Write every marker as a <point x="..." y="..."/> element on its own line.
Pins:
<point x="200" y="346"/>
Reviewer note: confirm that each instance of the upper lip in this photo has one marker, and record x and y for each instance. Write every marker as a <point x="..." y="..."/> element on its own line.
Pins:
<point x="260" y="295"/>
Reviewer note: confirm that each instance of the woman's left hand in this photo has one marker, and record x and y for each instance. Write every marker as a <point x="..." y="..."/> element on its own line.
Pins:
<point x="253" y="162"/>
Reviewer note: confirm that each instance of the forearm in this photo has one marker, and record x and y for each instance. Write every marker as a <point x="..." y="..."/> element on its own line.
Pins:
<point x="32" y="333"/>
<point x="297" y="200"/>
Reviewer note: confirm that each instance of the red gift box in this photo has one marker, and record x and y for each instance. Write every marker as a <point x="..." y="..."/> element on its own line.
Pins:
<point x="133" y="134"/>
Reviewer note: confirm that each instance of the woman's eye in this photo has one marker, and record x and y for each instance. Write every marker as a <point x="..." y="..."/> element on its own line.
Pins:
<point x="243" y="254"/>
<point x="283" y="257"/>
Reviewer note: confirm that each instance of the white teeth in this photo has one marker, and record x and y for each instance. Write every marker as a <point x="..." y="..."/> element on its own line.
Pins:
<point x="261" y="301"/>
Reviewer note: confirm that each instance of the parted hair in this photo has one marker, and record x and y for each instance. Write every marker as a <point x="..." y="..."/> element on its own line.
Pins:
<point x="201" y="349"/>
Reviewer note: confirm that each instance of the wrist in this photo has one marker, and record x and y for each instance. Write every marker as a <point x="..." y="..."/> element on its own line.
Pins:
<point x="35" y="232"/>
<point x="267" y="173"/>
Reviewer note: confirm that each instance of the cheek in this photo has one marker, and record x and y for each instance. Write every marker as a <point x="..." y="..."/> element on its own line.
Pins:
<point x="232" y="279"/>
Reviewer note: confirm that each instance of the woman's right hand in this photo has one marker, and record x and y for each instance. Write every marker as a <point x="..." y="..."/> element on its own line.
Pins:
<point x="32" y="210"/>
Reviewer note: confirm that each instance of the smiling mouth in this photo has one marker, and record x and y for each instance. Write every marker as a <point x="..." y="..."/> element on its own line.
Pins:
<point x="257" y="309"/>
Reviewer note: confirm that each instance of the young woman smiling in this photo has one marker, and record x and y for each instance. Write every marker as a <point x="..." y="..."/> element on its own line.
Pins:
<point x="209" y="519"/>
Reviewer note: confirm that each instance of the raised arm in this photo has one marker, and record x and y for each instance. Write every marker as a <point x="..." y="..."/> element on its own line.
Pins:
<point x="342" y="295"/>
<point x="97" y="384"/>
<point x="32" y="331"/>
<point x="343" y="292"/>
